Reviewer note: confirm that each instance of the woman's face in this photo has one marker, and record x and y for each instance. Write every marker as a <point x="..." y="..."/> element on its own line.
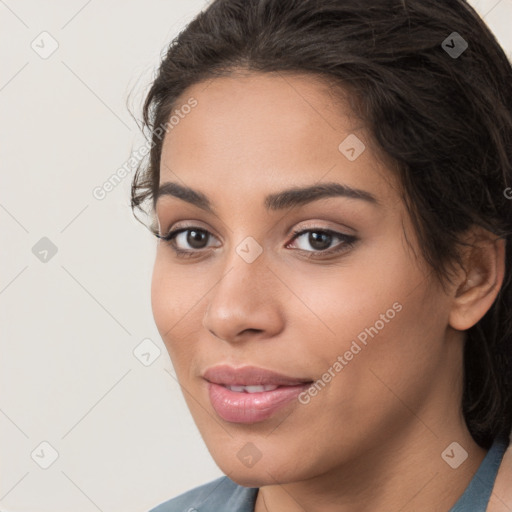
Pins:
<point x="348" y="305"/>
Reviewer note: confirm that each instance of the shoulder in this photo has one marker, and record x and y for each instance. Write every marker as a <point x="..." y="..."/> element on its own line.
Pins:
<point x="220" y="494"/>
<point x="501" y="498"/>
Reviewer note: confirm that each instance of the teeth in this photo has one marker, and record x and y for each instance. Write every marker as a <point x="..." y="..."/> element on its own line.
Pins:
<point x="252" y="389"/>
<point x="238" y="389"/>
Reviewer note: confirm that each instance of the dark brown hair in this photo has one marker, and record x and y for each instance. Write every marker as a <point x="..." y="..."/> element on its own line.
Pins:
<point x="444" y="118"/>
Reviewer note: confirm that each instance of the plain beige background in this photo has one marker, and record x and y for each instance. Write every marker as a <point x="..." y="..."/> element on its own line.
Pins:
<point x="91" y="416"/>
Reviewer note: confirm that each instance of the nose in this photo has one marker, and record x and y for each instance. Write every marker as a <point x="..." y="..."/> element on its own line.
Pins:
<point x="245" y="302"/>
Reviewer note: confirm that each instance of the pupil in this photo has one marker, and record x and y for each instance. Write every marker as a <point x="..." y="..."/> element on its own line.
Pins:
<point x="318" y="240"/>
<point x="195" y="238"/>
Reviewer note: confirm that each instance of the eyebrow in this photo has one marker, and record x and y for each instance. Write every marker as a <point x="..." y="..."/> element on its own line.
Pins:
<point x="277" y="201"/>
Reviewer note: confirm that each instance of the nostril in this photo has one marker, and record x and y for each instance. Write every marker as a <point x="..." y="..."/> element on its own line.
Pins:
<point x="253" y="330"/>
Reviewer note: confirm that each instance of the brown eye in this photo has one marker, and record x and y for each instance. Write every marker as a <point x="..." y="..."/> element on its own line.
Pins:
<point x="187" y="241"/>
<point x="196" y="238"/>
<point x="321" y="240"/>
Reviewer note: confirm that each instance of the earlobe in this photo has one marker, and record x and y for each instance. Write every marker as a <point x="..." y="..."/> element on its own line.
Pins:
<point x="480" y="283"/>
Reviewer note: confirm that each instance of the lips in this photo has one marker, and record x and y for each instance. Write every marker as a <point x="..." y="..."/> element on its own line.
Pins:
<point x="250" y="394"/>
<point x="250" y="376"/>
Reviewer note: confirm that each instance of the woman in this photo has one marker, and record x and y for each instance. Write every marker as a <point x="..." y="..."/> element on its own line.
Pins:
<point x="329" y="182"/>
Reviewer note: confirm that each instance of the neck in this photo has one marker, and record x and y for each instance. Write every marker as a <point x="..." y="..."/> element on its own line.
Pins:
<point x="401" y="472"/>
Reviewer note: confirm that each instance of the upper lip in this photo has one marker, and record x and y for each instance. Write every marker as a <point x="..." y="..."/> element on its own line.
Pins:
<point x="249" y="376"/>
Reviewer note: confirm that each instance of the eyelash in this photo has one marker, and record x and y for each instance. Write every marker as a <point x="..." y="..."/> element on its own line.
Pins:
<point x="347" y="243"/>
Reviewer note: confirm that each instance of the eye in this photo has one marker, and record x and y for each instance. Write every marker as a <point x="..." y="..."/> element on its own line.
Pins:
<point x="191" y="241"/>
<point x="321" y="241"/>
<point x="187" y="241"/>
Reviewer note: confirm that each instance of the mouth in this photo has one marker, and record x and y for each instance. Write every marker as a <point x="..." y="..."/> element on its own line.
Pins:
<point x="250" y="394"/>
<point x="250" y="377"/>
<point x="251" y="389"/>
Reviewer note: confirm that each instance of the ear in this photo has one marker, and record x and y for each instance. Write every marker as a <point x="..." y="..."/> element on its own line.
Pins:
<point x="481" y="279"/>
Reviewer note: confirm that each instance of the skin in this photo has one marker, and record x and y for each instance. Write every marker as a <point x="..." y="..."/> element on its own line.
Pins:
<point x="372" y="438"/>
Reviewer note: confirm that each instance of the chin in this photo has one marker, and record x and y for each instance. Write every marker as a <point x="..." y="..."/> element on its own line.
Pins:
<point x="262" y="473"/>
<point x="260" y="478"/>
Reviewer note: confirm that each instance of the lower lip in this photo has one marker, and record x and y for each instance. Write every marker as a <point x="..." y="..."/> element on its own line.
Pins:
<point x="242" y="407"/>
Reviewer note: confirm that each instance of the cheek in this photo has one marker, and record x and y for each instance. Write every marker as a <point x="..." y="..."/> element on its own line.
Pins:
<point x="343" y="304"/>
<point x="382" y="320"/>
<point x="175" y="302"/>
<point x="162" y="303"/>
<point x="389" y="360"/>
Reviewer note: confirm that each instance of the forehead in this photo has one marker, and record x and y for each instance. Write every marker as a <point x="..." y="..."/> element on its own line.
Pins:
<point x="254" y="129"/>
<point x="260" y="107"/>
